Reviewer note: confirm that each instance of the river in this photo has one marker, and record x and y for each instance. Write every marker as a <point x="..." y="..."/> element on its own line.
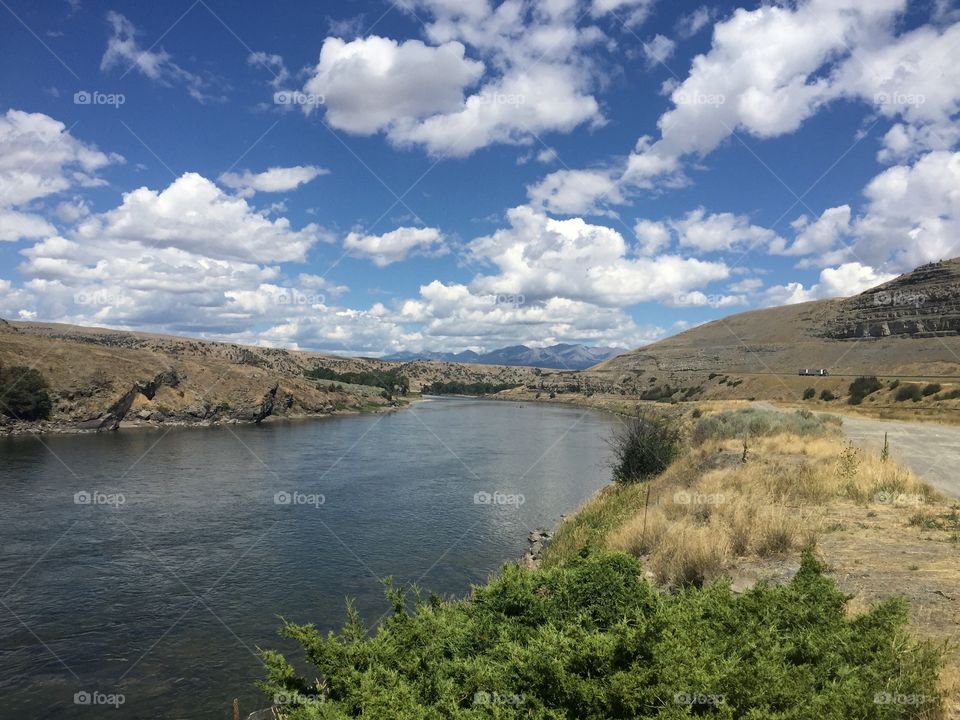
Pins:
<point x="151" y="564"/>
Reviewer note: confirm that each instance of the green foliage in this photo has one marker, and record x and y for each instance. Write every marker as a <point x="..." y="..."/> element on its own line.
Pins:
<point x="659" y="392"/>
<point x="456" y="387"/>
<point x="23" y="393"/>
<point x="592" y="639"/>
<point x="697" y="412"/>
<point x="827" y="395"/>
<point x="390" y="380"/>
<point x="931" y="389"/>
<point x="863" y="386"/>
<point x="754" y="422"/>
<point x="909" y="392"/>
<point x="894" y="385"/>
<point x="810" y="393"/>
<point x="950" y="395"/>
<point x="644" y="447"/>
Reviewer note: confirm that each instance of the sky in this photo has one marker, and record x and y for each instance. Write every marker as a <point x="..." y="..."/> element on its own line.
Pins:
<point x="375" y="177"/>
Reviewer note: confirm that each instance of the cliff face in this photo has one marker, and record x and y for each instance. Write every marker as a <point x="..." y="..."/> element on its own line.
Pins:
<point x="921" y="303"/>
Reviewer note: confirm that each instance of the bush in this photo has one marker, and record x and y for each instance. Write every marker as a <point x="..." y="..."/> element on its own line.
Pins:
<point x="644" y="447"/>
<point x="753" y="422"/>
<point x="23" y="394"/>
<point x="863" y="386"/>
<point x="909" y="392"/>
<point x="593" y="639"/>
<point x="931" y="389"/>
<point x="827" y="395"/>
<point x="894" y="385"/>
<point x="810" y="393"/>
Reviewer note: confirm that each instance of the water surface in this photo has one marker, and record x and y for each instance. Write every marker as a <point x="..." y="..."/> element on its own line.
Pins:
<point x="165" y="597"/>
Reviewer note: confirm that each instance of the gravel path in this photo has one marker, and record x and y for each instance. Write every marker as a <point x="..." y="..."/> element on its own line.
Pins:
<point x="932" y="451"/>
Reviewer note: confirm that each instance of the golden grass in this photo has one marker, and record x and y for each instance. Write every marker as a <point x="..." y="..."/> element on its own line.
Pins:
<point x="709" y="508"/>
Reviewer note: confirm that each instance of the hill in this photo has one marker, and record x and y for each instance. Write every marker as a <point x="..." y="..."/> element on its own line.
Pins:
<point x="100" y="377"/>
<point x="561" y="356"/>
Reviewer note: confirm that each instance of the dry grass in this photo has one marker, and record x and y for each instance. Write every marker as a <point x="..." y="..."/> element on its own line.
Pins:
<point x="710" y="509"/>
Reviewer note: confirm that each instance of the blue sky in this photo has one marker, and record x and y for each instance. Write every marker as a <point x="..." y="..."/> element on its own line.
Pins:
<point x="372" y="177"/>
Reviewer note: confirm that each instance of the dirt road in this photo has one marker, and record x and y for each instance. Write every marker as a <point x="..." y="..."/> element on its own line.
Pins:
<point x="932" y="451"/>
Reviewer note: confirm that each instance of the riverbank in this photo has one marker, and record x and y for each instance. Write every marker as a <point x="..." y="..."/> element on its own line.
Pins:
<point x="881" y="531"/>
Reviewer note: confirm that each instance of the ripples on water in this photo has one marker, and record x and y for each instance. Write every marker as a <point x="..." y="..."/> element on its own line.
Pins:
<point x="165" y="597"/>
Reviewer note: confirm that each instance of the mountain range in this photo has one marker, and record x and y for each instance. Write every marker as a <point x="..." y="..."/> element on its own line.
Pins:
<point x="557" y="357"/>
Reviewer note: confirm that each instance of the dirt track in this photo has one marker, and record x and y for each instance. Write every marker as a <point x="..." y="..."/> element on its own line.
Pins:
<point x="932" y="451"/>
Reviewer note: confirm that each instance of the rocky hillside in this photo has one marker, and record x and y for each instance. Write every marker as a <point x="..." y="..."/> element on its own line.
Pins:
<point x="99" y="378"/>
<point x="906" y="328"/>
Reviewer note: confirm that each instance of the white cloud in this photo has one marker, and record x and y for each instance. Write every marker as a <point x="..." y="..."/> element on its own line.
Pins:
<point x="658" y="50"/>
<point x="374" y="83"/>
<point x="818" y="236"/>
<point x="694" y="22"/>
<point x="17" y="225"/>
<point x="539" y="78"/>
<point x="194" y="215"/>
<point x="124" y="52"/>
<point x="653" y="237"/>
<point x="771" y="68"/>
<point x="275" y="179"/>
<point x="842" y="281"/>
<point x="40" y="158"/>
<point x="395" y="245"/>
<point x="540" y="258"/>
<point x="630" y="12"/>
<point x="720" y="231"/>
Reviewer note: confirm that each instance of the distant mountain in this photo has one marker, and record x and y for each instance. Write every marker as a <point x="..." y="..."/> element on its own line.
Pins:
<point x="559" y="357"/>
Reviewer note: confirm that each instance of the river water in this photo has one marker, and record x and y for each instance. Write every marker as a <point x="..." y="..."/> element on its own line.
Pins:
<point x="151" y="564"/>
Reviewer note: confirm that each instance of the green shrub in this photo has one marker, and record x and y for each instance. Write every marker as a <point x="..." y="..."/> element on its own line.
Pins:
<point x="592" y="639"/>
<point x="863" y="386"/>
<point x="697" y="412"/>
<point x="644" y="447"/>
<point x="931" y="389"/>
<point x="827" y="395"/>
<point x="23" y="394"/>
<point x="810" y="393"/>
<point x="894" y="385"/>
<point x="909" y="392"/>
<point x="754" y="422"/>
<point x="950" y="394"/>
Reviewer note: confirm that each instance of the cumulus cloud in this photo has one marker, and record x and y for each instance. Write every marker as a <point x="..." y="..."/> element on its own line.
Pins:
<point x="374" y="83"/>
<point x="541" y="257"/>
<point x="532" y="77"/>
<point x="720" y="231"/>
<point x="275" y="179"/>
<point x="124" y="52"/>
<point x="841" y="281"/>
<point x="395" y="245"/>
<point x="818" y="236"/>
<point x="40" y="158"/>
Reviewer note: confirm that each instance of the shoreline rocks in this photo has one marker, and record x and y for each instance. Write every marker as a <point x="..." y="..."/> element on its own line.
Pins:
<point x="539" y="539"/>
